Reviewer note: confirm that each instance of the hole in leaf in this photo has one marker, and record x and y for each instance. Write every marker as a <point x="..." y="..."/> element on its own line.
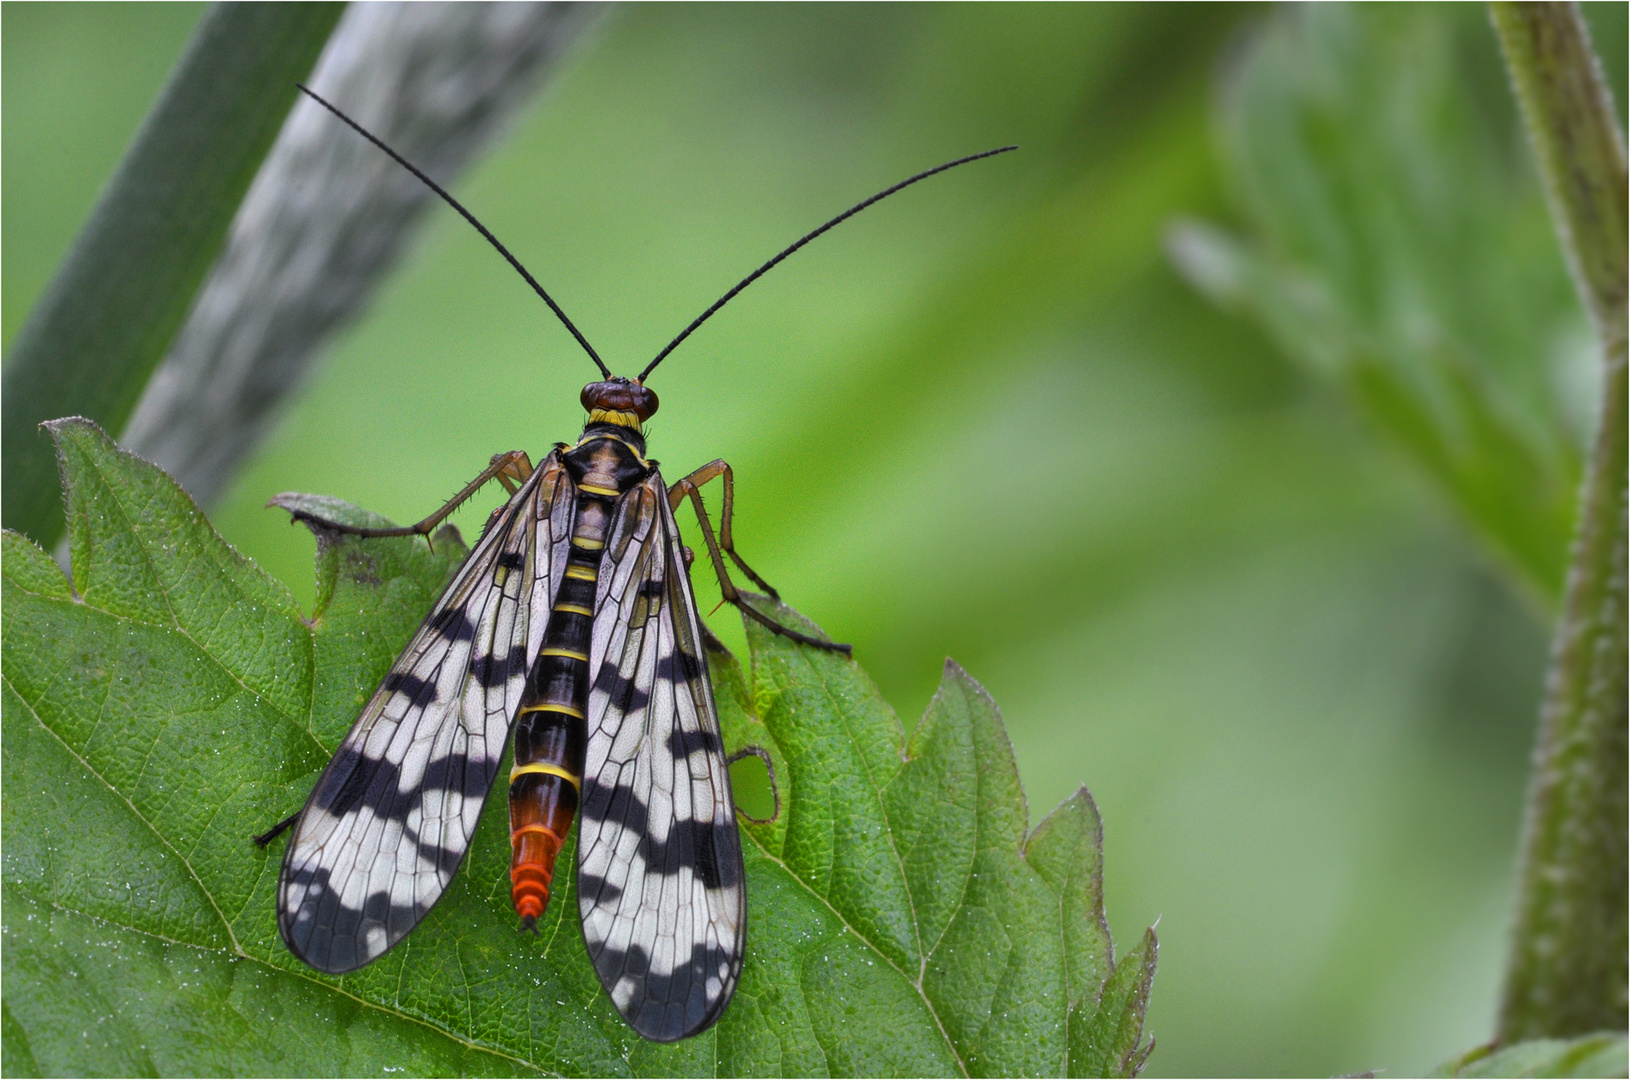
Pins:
<point x="750" y="783"/>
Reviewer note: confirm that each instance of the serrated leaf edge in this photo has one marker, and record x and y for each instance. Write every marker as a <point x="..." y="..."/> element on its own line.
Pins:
<point x="914" y="983"/>
<point x="56" y="427"/>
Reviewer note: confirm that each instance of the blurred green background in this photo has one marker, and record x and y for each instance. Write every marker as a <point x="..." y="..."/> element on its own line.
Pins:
<point x="984" y="420"/>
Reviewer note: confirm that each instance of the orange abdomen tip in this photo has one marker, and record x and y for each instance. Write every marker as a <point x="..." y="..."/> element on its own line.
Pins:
<point x="532" y="869"/>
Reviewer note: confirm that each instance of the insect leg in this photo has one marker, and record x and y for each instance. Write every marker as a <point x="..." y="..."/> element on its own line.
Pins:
<point x="690" y="486"/>
<point x="508" y="469"/>
<point x="282" y="826"/>
<point x="685" y="486"/>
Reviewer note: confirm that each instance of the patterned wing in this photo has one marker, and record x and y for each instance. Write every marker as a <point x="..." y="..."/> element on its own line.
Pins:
<point x="391" y="817"/>
<point x="660" y="886"/>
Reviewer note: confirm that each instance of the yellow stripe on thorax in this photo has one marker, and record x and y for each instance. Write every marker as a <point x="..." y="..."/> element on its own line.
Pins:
<point x="610" y="493"/>
<point x="615" y="416"/>
<point x="608" y="436"/>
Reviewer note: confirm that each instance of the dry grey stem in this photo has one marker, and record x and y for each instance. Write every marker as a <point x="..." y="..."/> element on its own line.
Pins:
<point x="328" y="214"/>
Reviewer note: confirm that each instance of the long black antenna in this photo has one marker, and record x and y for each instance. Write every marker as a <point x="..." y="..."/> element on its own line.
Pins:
<point x="480" y="228"/>
<point x="806" y="238"/>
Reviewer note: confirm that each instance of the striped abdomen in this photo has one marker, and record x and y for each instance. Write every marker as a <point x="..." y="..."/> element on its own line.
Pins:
<point x="550" y="730"/>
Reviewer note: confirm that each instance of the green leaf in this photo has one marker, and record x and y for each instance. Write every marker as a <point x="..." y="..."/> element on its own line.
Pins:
<point x="1398" y="246"/>
<point x="119" y="297"/>
<point x="1108" y="1034"/>
<point x="1602" y="1054"/>
<point x="172" y="702"/>
<point x="972" y="938"/>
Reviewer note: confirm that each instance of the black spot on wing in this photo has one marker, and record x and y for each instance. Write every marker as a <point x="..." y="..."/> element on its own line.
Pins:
<point x="712" y="851"/>
<point x="494" y="670"/>
<point x="347" y="779"/>
<point x="665" y="1007"/>
<point x="511" y="560"/>
<point x="421" y="693"/>
<point x="614" y="802"/>
<point x="467" y="776"/>
<point x="683" y="743"/>
<point x="444" y="859"/>
<point x="354" y="780"/>
<point x="625" y="696"/>
<point x="332" y="937"/>
<point x="594" y="889"/>
<point x="679" y="666"/>
<point x="451" y="623"/>
<point x="307" y="937"/>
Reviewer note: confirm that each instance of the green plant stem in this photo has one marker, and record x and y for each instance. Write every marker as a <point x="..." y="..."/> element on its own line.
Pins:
<point x="119" y="297"/>
<point x="1567" y="971"/>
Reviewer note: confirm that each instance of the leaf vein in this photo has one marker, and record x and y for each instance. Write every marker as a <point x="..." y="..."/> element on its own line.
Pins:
<point x="838" y="915"/>
<point x="162" y="839"/>
<point x="164" y="591"/>
<point x="877" y="791"/>
<point x="911" y="901"/>
<point x="133" y="621"/>
<point x="298" y="974"/>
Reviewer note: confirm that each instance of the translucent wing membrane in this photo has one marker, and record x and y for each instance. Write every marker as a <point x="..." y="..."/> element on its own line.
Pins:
<point x="660" y="879"/>
<point x="392" y="815"/>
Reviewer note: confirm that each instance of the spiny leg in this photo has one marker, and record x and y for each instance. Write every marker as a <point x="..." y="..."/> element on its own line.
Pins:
<point x="707" y="472"/>
<point x="510" y="469"/>
<point x="689" y="486"/>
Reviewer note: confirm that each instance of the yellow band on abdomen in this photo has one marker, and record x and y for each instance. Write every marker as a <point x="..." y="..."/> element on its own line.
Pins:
<point x="546" y="707"/>
<point x="567" y="653"/>
<point x="544" y="768"/>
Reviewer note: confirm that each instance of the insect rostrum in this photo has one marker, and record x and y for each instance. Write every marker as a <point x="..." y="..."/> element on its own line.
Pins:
<point x="573" y="623"/>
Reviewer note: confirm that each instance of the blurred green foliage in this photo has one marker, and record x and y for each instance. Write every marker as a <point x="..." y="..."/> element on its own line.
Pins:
<point x="79" y="80"/>
<point x="1398" y="248"/>
<point x="1590" y="1055"/>
<point x="985" y="419"/>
